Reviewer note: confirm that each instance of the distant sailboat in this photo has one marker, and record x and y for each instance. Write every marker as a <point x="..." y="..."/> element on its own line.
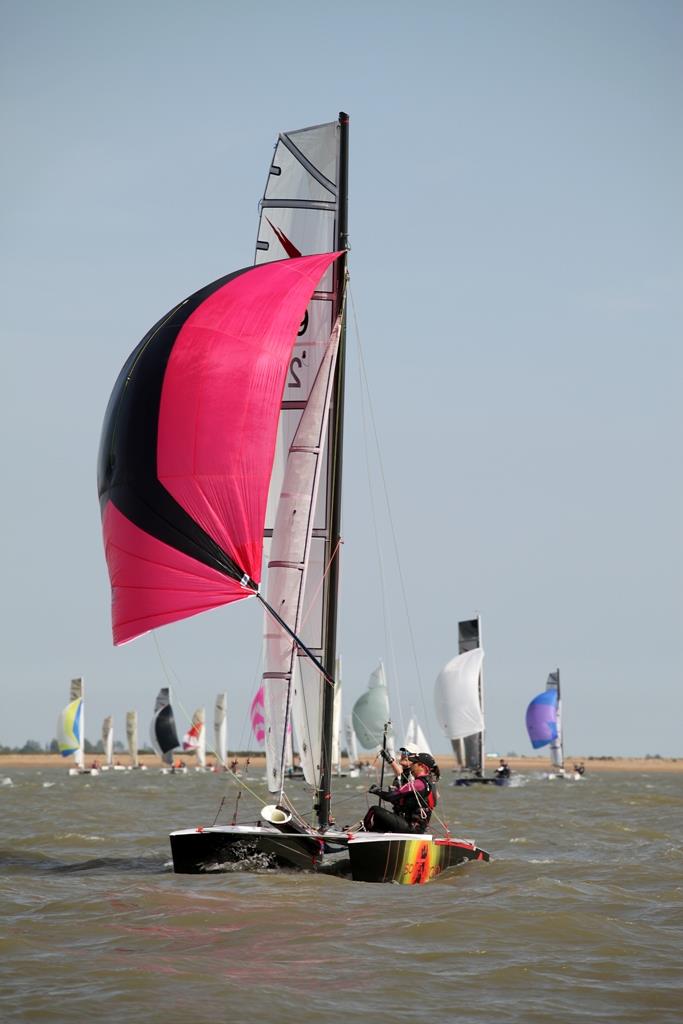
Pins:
<point x="371" y="715"/>
<point x="415" y="740"/>
<point x="195" y="738"/>
<point x="132" y="740"/>
<point x="351" y="747"/>
<point x="459" y="702"/>
<point x="71" y="730"/>
<point x="163" y="731"/>
<point x="108" y="743"/>
<point x="220" y="730"/>
<point x="544" y="725"/>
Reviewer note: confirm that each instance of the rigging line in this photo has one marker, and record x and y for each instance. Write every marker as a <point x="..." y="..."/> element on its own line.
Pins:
<point x="391" y="520"/>
<point x="365" y="404"/>
<point x="297" y="640"/>
<point x="373" y="513"/>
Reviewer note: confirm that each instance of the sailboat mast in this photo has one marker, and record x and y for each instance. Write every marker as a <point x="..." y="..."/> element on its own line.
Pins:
<point x="559" y="721"/>
<point x="482" y="758"/>
<point x="335" y="440"/>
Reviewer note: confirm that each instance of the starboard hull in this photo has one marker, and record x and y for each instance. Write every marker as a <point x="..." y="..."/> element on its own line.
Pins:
<point x="407" y="859"/>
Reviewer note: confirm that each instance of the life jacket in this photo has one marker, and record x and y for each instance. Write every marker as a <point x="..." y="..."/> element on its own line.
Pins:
<point x="417" y="804"/>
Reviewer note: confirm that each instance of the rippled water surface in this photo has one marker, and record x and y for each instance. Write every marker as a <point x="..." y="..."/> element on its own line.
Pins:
<point x="578" y="917"/>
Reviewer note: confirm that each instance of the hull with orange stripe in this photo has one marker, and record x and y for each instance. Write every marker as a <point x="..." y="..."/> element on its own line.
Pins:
<point x="407" y="859"/>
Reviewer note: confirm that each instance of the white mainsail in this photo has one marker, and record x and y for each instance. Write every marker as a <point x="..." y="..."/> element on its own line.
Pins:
<point x="415" y="739"/>
<point x="300" y="215"/>
<point x="371" y="714"/>
<point x="108" y="740"/>
<point x="351" y="742"/>
<point x="132" y="736"/>
<point x="456" y="696"/>
<point x="300" y="686"/>
<point x="220" y="728"/>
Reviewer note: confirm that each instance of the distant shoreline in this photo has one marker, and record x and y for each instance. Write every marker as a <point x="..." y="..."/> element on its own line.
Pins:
<point x="446" y="762"/>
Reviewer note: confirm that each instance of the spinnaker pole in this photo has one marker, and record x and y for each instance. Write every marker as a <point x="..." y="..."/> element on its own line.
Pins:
<point x="335" y="440"/>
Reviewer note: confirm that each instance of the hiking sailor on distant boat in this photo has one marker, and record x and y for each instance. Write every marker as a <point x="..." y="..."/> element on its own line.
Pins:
<point x="412" y="803"/>
<point x="503" y="770"/>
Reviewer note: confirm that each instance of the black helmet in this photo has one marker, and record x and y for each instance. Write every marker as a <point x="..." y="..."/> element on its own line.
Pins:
<point x="426" y="759"/>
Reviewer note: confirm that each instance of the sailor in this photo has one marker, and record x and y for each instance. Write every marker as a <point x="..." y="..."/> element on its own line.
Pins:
<point x="579" y="768"/>
<point x="503" y="770"/>
<point x="412" y="803"/>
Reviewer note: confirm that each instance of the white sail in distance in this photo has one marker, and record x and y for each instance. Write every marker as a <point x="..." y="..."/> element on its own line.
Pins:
<point x="415" y="739"/>
<point x="456" y="696"/>
<point x="195" y="737"/>
<point x="220" y="728"/>
<point x="371" y="714"/>
<point x="108" y="740"/>
<point x="132" y="736"/>
<point x="351" y="742"/>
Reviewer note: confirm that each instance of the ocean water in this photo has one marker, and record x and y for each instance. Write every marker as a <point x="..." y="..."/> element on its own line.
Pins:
<point x="577" y="918"/>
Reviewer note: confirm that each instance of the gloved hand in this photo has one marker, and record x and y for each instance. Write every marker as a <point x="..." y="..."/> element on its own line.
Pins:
<point x="386" y="755"/>
<point x="375" y="790"/>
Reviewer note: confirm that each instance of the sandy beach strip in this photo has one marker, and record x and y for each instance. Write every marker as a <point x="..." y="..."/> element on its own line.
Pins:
<point x="524" y="765"/>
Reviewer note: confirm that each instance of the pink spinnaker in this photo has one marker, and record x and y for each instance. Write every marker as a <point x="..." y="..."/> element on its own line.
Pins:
<point x="216" y="438"/>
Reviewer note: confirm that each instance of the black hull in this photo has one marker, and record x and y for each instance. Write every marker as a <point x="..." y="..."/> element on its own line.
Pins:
<point x="203" y="851"/>
<point x="476" y="781"/>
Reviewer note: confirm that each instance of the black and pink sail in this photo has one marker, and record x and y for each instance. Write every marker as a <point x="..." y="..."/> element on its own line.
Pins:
<point x="188" y="443"/>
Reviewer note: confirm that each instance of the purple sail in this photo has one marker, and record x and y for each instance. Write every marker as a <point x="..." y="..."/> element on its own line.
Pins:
<point x="541" y="719"/>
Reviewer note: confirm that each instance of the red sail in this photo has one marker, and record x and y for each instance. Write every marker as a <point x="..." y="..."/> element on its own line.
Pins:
<point x="188" y="442"/>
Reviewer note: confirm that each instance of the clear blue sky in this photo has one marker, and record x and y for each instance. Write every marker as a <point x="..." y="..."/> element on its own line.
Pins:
<point x="516" y="225"/>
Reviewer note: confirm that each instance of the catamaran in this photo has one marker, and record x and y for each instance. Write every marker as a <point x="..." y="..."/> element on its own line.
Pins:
<point x="544" y="725"/>
<point x="225" y="428"/>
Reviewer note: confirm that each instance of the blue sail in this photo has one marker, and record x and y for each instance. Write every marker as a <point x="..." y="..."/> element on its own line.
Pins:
<point x="541" y="719"/>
